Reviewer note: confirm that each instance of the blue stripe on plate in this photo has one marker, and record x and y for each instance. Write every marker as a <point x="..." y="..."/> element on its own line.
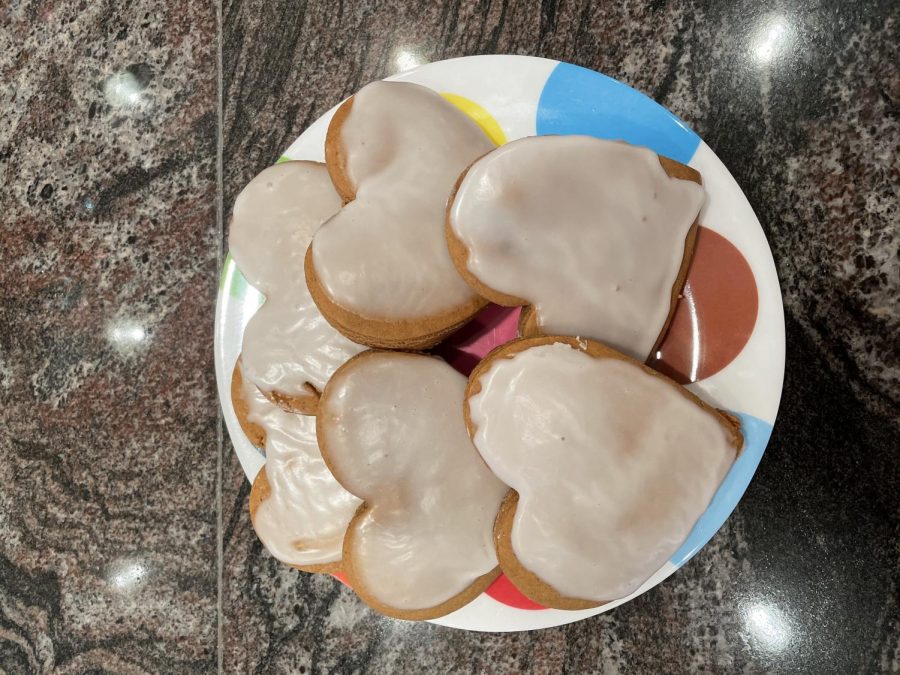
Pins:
<point x="756" y="437"/>
<point x="580" y="101"/>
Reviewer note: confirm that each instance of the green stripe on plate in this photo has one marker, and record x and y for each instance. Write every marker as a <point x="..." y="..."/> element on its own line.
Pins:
<point x="232" y="279"/>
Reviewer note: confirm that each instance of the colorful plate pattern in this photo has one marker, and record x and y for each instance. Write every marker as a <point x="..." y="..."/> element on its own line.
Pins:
<point x="727" y="338"/>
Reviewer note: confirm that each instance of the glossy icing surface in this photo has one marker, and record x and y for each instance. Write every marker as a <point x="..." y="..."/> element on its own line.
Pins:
<point x="613" y="466"/>
<point x="396" y="438"/>
<point x="590" y="232"/>
<point x="287" y="343"/>
<point x="384" y="254"/>
<point x="304" y="518"/>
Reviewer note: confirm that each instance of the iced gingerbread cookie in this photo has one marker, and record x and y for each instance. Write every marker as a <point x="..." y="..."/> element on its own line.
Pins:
<point x="594" y="237"/>
<point x="299" y="511"/>
<point x="289" y="350"/>
<point x="610" y="465"/>
<point x="379" y="270"/>
<point x="390" y="426"/>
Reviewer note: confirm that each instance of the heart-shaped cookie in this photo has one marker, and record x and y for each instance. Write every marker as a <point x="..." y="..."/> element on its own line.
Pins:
<point x="390" y="426"/>
<point x="610" y="465"/>
<point x="299" y="511"/>
<point x="379" y="270"/>
<point x="289" y="350"/>
<point x="594" y="236"/>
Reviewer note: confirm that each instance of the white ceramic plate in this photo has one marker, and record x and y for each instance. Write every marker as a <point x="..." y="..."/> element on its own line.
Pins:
<point x="727" y="339"/>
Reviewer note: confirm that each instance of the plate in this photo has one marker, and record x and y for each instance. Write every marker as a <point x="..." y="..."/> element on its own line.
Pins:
<point x="726" y="342"/>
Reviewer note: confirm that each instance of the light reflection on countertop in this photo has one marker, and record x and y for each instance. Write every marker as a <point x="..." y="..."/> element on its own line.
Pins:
<point x="407" y="57"/>
<point x="772" y="37"/>
<point x="125" y="88"/>
<point x="767" y="625"/>
<point x="127" y="574"/>
<point x="126" y="335"/>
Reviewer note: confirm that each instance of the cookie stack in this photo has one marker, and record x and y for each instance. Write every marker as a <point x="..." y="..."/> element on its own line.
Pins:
<point x="562" y="460"/>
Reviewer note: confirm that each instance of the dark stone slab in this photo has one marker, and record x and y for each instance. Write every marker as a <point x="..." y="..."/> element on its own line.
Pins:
<point x="800" y="101"/>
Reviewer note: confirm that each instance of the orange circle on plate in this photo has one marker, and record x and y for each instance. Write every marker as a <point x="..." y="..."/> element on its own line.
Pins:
<point x="715" y="316"/>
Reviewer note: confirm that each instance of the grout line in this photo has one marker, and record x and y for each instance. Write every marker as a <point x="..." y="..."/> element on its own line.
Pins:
<point x="220" y="245"/>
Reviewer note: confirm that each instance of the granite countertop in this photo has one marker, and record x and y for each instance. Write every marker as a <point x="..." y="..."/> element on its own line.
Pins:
<point x="128" y="129"/>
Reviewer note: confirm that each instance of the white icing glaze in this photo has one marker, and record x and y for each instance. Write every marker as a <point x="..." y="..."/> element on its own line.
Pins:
<point x="288" y="342"/>
<point x="304" y="518"/>
<point x="590" y="232"/>
<point x="274" y="218"/>
<point x="394" y="434"/>
<point x="613" y="466"/>
<point x="384" y="254"/>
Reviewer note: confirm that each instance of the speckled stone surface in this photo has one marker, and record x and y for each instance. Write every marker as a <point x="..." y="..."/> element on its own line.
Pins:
<point x="108" y="422"/>
<point x="112" y="516"/>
